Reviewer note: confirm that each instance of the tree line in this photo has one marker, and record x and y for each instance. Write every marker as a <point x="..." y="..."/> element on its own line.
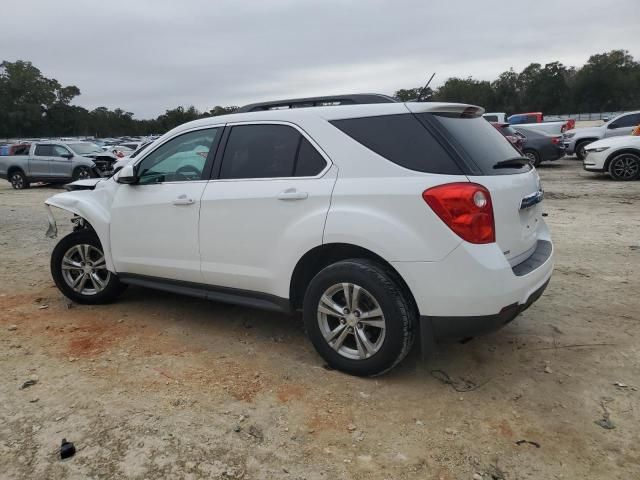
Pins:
<point x="32" y="105"/>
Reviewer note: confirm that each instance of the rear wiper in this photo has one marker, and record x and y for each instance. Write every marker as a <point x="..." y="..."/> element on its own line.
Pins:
<point x="513" y="162"/>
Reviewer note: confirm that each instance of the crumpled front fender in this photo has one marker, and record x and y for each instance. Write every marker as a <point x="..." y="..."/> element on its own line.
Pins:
<point x="93" y="207"/>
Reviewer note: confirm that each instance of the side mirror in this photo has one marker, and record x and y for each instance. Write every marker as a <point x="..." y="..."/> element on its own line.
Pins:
<point x="127" y="175"/>
<point x="612" y="126"/>
<point x="68" y="156"/>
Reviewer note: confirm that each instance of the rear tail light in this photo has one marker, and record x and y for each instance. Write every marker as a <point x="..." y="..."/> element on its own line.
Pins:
<point x="466" y="208"/>
<point x="556" y="140"/>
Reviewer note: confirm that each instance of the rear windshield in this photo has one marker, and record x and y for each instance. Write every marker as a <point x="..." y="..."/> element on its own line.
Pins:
<point x="478" y="143"/>
<point x="403" y="140"/>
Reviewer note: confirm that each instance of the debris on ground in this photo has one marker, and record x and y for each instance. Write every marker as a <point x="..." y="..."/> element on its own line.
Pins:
<point x="528" y="442"/>
<point x="67" y="449"/>
<point x="12" y="328"/>
<point x="29" y="383"/>
<point x="462" y="385"/>
<point x="547" y="369"/>
<point x="620" y="385"/>
<point x="43" y="307"/>
<point x="605" y="422"/>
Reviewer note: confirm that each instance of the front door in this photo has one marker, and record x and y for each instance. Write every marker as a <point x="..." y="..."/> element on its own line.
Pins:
<point x="154" y="223"/>
<point x="623" y="125"/>
<point x="60" y="163"/>
<point x="266" y="208"/>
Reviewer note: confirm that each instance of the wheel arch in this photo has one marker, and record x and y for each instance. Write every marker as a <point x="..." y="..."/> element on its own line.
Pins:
<point x="14" y="168"/>
<point x="94" y="214"/>
<point x="612" y="155"/>
<point x="324" y="255"/>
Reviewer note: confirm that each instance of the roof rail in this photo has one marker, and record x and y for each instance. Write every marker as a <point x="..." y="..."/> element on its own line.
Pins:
<point x="354" y="99"/>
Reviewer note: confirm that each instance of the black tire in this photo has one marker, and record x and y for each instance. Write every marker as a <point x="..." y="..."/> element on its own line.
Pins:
<point x="400" y="316"/>
<point x="112" y="286"/>
<point x="18" y="180"/>
<point x="533" y="156"/>
<point x="625" y="167"/>
<point x="580" y="146"/>
<point x="82" y="173"/>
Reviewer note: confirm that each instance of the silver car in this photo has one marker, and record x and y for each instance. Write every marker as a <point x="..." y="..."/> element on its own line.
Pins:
<point x="56" y="162"/>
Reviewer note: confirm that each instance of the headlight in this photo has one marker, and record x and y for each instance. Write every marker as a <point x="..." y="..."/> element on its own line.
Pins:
<point x="599" y="149"/>
<point x="569" y="135"/>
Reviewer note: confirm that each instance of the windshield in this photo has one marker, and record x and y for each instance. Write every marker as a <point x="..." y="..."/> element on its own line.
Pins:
<point x="84" y="148"/>
<point x="478" y="142"/>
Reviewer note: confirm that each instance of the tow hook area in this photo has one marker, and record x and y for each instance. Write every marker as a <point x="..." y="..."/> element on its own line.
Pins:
<point x="52" y="231"/>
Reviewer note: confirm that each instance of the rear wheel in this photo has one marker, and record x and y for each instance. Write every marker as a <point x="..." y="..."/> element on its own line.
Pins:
<point x="358" y="317"/>
<point x="580" y="149"/>
<point x="18" y="180"/>
<point x="625" y="166"/>
<point x="533" y="156"/>
<point x="80" y="272"/>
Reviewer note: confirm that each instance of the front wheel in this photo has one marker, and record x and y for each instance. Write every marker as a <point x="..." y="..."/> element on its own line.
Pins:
<point x="358" y="317"/>
<point x="80" y="272"/>
<point x="581" y="149"/>
<point x="81" y="173"/>
<point x="625" y="166"/>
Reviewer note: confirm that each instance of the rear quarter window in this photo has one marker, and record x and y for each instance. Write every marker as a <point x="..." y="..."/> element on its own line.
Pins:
<point x="403" y="140"/>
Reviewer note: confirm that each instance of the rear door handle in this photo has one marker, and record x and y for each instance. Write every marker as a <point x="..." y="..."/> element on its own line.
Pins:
<point x="292" y="194"/>
<point x="183" y="200"/>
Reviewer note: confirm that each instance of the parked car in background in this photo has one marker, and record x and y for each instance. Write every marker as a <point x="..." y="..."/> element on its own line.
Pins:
<point x="51" y="162"/>
<point x="292" y="221"/>
<point x="499" y="117"/>
<point x="536" y="121"/>
<point x="14" y="149"/>
<point x="510" y="134"/>
<point x="120" y="151"/>
<point x="539" y="146"/>
<point x="575" y="141"/>
<point x="618" y="156"/>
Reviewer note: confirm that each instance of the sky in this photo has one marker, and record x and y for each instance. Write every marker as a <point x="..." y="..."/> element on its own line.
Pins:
<point x="146" y="56"/>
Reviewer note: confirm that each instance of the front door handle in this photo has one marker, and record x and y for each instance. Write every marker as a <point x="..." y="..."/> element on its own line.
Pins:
<point x="292" y="194"/>
<point x="183" y="200"/>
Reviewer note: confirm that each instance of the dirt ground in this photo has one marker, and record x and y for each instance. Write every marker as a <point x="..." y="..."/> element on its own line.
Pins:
<point x="160" y="386"/>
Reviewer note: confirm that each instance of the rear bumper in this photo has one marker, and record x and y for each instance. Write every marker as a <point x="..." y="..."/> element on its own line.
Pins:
<point x="476" y="280"/>
<point x="472" y="326"/>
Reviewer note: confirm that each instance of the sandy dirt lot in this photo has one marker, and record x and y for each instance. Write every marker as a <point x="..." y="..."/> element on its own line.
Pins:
<point x="160" y="386"/>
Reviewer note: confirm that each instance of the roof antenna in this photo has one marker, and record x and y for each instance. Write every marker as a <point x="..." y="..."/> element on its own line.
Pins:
<point x="424" y="89"/>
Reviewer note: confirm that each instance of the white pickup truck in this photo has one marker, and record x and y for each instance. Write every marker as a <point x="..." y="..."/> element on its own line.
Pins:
<point x="56" y="162"/>
<point x="533" y="121"/>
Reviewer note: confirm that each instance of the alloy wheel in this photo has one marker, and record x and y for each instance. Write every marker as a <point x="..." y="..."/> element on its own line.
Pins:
<point x="84" y="174"/>
<point x="17" y="181"/>
<point x="84" y="269"/>
<point x="351" y="321"/>
<point x="625" y="167"/>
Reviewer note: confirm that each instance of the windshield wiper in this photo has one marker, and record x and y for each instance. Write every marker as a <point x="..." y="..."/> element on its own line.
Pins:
<point x="513" y="162"/>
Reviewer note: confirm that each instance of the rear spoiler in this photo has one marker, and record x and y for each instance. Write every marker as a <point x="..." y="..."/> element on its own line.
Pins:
<point x="458" y="109"/>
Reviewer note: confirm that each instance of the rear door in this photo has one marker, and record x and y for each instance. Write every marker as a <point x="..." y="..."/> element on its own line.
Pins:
<point x="267" y="205"/>
<point x="39" y="161"/>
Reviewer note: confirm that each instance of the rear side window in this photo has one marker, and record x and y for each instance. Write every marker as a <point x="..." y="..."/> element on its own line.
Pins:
<point x="43" y="151"/>
<point x="403" y="140"/>
<point x="491" y="118"/>
<point x="269" y="151"/>
<point x="477" y="142"/>
<point x="310" y="163"/>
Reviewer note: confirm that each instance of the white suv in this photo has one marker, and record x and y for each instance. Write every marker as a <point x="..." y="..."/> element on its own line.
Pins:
<point x="377" y="221"/>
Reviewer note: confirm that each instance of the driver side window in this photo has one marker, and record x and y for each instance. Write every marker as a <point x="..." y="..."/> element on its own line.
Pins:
<point x="181" y="159"/>
<point x="59" y="151"/>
